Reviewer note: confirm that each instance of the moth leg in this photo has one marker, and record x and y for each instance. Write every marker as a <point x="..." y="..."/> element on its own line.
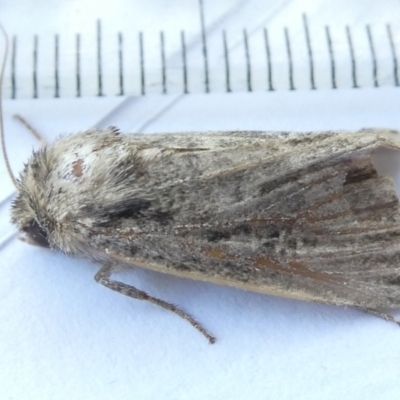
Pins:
<point x="386" y="317"/>
<point x="103" y="277"/>
<point x="30" y="128"/>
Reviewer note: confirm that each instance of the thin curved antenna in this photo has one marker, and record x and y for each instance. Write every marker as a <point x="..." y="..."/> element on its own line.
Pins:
<point x="3" y="144"/>
<point x="31" y="129"/>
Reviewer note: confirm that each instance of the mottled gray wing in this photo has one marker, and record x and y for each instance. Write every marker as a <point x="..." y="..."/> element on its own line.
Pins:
<point x="304" y="217"/>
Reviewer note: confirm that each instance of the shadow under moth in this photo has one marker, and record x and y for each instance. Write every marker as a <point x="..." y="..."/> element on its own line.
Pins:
<point x="302" y="216"/>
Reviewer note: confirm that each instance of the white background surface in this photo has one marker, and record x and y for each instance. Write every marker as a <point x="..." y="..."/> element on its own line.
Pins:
<point x="62" y="336"/>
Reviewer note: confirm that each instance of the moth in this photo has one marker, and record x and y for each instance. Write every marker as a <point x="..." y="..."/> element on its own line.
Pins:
<point x="303" y="216"/>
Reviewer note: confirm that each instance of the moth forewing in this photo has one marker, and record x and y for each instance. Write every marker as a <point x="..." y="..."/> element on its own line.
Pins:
<point x="306" y="232"/>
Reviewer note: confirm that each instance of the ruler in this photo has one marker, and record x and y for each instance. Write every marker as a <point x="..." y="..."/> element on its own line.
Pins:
<point x="105" y="61"/>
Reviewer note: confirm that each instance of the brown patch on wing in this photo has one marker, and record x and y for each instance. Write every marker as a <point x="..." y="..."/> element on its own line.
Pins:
<point x="77" y="168"/>
<point x="295" y="268"/>
<point x="376" y="207"/>
<point x="318" y="204"/>
<point x="129" y="234"/>
<point x="214" y="252"/>
<point x="361" y="174"/>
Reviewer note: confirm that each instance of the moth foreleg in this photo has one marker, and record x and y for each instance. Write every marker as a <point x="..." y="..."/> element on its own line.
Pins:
<point x="386" y="317"/>
<point x="103" y="277"/>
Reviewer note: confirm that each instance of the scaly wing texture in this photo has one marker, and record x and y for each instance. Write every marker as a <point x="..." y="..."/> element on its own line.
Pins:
<point x="299" y="216"/>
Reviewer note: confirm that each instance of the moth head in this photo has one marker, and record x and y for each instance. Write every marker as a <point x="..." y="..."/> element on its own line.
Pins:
<point x="35" y="234"/>
<point x="35" y="231"/>
<point x="29" y="210"/>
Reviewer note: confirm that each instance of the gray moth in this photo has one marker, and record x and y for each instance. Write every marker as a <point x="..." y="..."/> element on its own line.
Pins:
<point x="303" y="216"/>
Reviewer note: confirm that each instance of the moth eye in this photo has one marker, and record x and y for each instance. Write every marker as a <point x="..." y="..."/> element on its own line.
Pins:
<point x="36" y="233"/>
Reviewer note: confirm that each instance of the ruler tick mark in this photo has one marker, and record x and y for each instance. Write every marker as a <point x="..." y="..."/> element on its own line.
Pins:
<point x="163" y="64"/>
<point x="35" y="61"/>
<point x="248" y="63"/>
<point x="204" y="47"/>
<point x="142" y="74"/>
<point x="373" y="56"/>
<point x="290" y="62"/>
<point x="120" y="64"/>
<point x="56" y="66"/>
<point x="269" y="61"/>
<point x="13" y="72"/>
<point x="227" y="67"/>
<point x="78" y="65"/>
<point x="394" y="55"/>
<point x="352" y="56"/>
<point x="99" y="61"/>
<point x="309" y="50"/>
<point x="331" y="57"/>
<point x="184" y="68"/>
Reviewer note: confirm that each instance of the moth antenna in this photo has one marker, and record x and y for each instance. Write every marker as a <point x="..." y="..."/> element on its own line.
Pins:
<point x="3" y="144"/>
<point x="30" y="128"/>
